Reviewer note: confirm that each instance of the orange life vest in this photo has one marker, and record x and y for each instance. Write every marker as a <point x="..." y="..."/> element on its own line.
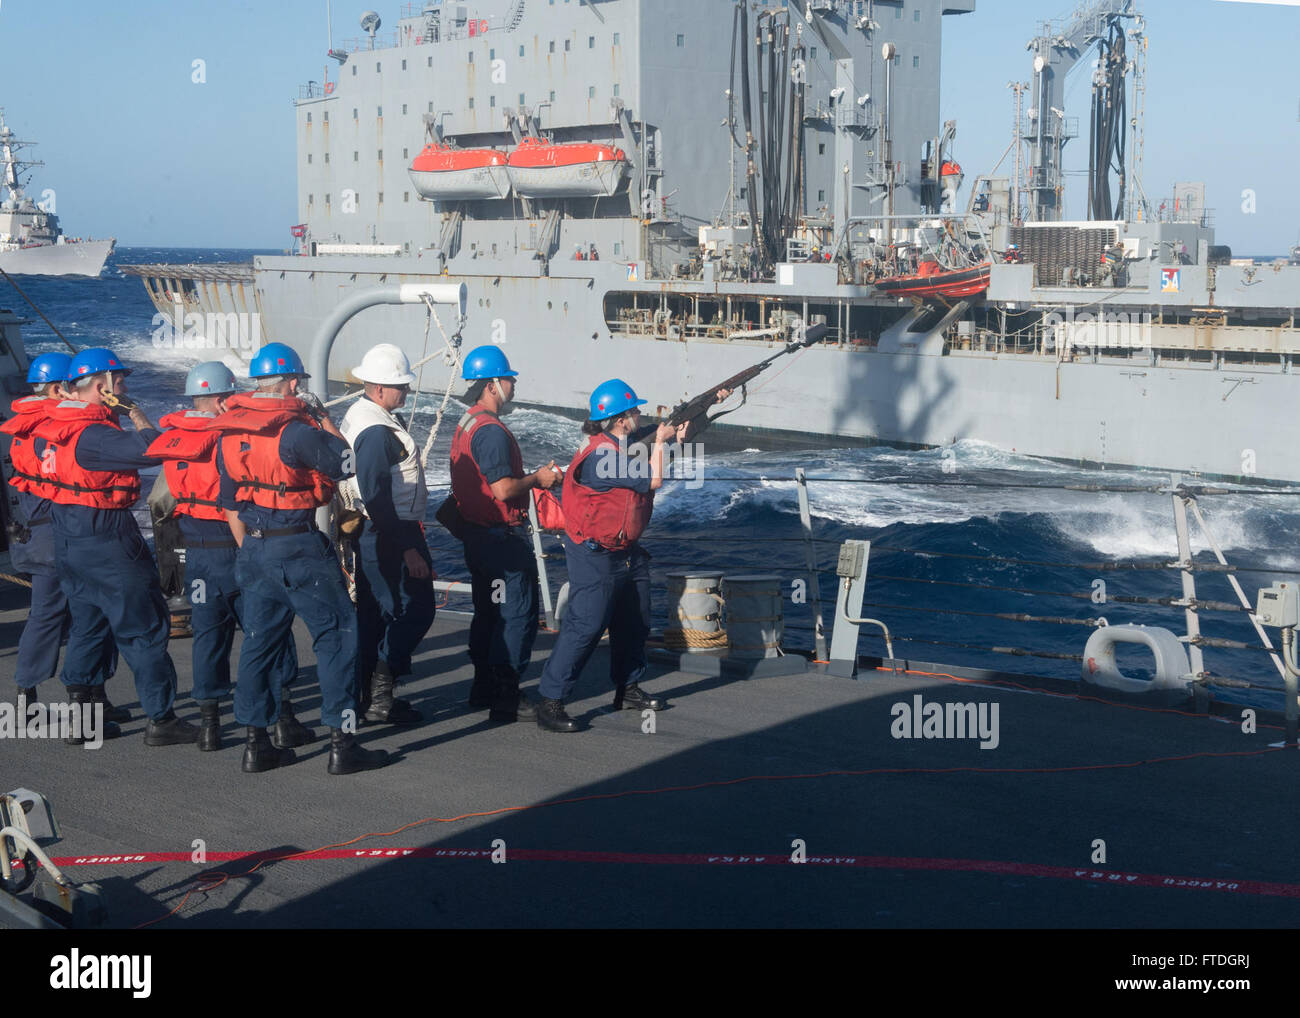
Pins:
<point x="250" y="449"/>
<point x="70" y="483"/>
<point x="470" y="488"/>
<point x="614" y="519"/>
<point x="29" y="413"/>
<point x="188" y="449"/>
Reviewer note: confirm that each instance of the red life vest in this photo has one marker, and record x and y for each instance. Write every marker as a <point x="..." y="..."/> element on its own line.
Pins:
<point x="70" y="483"/>
<point x="470" y="488"/>
<point x="188" y="449"/>
<point x="614" y="519"/>
<point x="250" y="449"/>
<point x="29" y="413"/>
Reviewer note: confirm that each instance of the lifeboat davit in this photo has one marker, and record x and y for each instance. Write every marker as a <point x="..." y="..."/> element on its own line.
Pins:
<point x="444" y="173"/>
<point x="543" y="169"/>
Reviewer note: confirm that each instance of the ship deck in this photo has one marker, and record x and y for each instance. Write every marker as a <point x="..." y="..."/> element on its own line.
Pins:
<point x="694" y="825"/>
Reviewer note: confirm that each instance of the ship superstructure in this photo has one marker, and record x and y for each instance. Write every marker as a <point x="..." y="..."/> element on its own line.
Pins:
<point x="665" y="190"/>
<point x="31" y="241"/>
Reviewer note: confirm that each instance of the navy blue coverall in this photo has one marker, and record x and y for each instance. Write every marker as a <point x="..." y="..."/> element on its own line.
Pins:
<point x="607" y="589"/>
<point x="110" y="578"/>
<point x="394" y="611"/>
<point x="287" y="574"/>
<point x="503" y="573"/>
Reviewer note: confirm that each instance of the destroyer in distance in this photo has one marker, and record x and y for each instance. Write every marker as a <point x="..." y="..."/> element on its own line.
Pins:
<point x="678" y="187"/>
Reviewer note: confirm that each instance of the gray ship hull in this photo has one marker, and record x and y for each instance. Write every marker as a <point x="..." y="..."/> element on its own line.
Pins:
<point x="1120" y="411"/>
<point x="85" y="258"/>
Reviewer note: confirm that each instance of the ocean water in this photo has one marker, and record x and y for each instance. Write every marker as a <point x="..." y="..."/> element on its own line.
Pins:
<point x="939" y="573"/>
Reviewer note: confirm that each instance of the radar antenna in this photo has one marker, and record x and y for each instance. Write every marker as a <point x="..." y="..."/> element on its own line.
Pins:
<point x="370" y="22"/>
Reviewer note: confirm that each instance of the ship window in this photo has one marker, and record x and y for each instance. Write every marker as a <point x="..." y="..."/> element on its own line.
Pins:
<point x="378" y="67"/>
<point x="615" y="38"/>
<point x="521" y="98"/>
<point x="379" y="111"/>
<point x="327" y="197"/>
<point x="311" y="199"/>
<point x="521" y="51"/>
<point x="821" y="195"/>
<point x="591" y="42"/>
<point x="354" y="113"/>
<point x="618" y="249"/>
<point x="381" y="197"/>
<point x="492" y="101"/>
<point x="471" y="58"/>
<point x="403" y="109"/>
<point x="916" y="14"/>
<point x="744" y="193"/>
<point x="812" y="53"/>
<point x="354" y="70"/>
<point x="898" y="12"/>
<point x="552" y="46"/>
<point x="821" y="149"/>
<point x="406" y="153"/>
<point x="309" y="118"/>
<point x="591" y="92"/>
<point x="568" y="45"/>
<point x="492" y="54"/>
<point x="916" y="62"/>
<point x="681" y="41"/>
<point x="356" y="157"/>
<point x="430" y="107"/>
<point x="406" y="196"/>
<point x="616" y="90"/>
<point x="327" y="157"/>
<point x="309" y="157"/>
<point x="403" y="65"/>
<point x="381" y="155"/>
<point x="552" y="95"/>
<point x="471" y="102"/>
<point x="430" y="63"/>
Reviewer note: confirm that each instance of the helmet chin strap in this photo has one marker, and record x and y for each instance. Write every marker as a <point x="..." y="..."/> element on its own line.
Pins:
<point x="501" y="393"/>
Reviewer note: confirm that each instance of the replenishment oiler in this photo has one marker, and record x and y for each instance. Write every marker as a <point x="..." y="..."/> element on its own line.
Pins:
<point x="681" y="186"/>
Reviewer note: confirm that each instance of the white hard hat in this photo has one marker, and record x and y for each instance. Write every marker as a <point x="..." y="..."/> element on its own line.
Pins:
<point x="384" y="364"/>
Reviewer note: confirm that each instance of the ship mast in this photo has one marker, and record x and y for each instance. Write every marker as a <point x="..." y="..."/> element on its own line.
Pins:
<point x="13" y="166"/>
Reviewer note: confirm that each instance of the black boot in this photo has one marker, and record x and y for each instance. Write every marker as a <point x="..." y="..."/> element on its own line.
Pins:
<point x="169" y="730"/>
<point x="481" y="692"/>
<point x="118" y="715"/>
<point x="508" y="705"/>
<point x="347" y="757"/>
<point x="384" y="707"/>
<point x="289" y="732"/>
<point x="209" y="726"/>
<point x="260" y="755"/>
<point x="82" y="697"/>
<point x="633" y="697"/>
<point x="27" y="696"/>
<point x="551" y="716"/>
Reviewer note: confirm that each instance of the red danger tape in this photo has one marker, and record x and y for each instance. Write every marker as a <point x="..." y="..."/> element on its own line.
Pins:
<point x="1091" y="875"/>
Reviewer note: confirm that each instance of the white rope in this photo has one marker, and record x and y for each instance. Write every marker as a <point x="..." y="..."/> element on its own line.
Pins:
<point x="455" y="361"/>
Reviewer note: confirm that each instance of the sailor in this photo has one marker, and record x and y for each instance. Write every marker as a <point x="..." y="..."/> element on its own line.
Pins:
<point x="490" y="491"/>
<point x="609" y="495"/>
<point x="579" y="255"/>
<point x="188" y="449"/>
<point x="279" y="459"/>
<point x="395" y="600"/>
<point x="31" y="545"/>
<point x="105" y="568"/>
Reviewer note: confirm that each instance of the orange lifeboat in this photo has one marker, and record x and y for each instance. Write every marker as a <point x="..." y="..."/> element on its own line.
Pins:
<point x="444" y="173"/>
<point x="544" y="169"/>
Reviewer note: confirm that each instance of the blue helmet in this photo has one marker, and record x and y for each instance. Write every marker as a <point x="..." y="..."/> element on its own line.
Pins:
<point x="95" y="361"/>
<point x="211" y="378"/>
<point x="276" y="359"/>
<point x="613" y="398"/>
<point x="487" y="362"/>
<point x="49" y="367"/>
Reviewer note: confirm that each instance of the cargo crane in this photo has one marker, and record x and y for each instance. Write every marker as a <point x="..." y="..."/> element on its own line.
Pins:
<point x="1057" y="50"/>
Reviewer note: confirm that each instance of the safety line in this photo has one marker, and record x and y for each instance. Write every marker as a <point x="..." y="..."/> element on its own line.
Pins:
<point x="846" y="860"/>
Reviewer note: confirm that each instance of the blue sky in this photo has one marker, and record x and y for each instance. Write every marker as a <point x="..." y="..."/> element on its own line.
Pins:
<point x="136" y="150"/>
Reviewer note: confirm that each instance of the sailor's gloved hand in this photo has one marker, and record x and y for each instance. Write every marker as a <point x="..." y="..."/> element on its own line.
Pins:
<point x="313" y="404"/>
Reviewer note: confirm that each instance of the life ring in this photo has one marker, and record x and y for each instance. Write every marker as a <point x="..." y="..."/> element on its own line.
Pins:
<point x="329" y="88"/>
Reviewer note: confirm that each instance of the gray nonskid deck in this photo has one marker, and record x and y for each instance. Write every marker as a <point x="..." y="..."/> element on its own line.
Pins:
<point x="876" y="842"/>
